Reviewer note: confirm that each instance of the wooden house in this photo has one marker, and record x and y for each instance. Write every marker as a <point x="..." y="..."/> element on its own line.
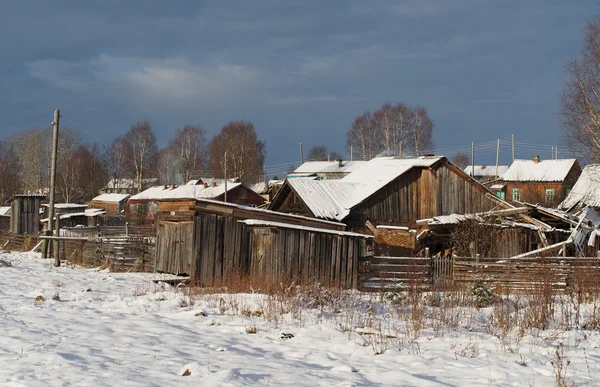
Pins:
<point x="387" y="190"/>
<point x="585" y="192"/>
<point x="73" y="215"/>
<point x="485" y="173"/>
<point x="25" y="213"/>
<point x="546" y="182"/>
<point x="213" y="241"/>
<point x="326" y="170"/>
<point x="113" y="203"/>
<point x="144" y="206"/>
<point x="127" y="186"/>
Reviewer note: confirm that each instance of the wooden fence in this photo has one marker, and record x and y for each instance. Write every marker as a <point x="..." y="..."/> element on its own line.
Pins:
<point x="101" y="232"/>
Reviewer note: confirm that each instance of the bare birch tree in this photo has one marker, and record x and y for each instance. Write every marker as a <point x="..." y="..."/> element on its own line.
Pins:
<point x="10" y="179"/>
<point x="117" y="164"/>
<point x="142" y="151"/>
<point x="580" y="98"/>
<point x="33" y="166"/>
<point x="364" y="137"/>
<point x="245" y="153"/>
<point x="421" y="130"/>
<point x="190" y="145"/>
<point x="317" y="153"/>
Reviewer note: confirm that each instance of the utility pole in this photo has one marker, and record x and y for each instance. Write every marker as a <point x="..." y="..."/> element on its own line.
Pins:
<point x="400" y="149"/>
<point x="497" y="157"/>
<point x="513" y="148"/>
<point x="350" y="152"/>
<point x="473" y="160"/>
<point x="556" y="151"/>
<point x="56" y="126"/>
<point x="225" y="176"/>
<point x="301" y="155"/>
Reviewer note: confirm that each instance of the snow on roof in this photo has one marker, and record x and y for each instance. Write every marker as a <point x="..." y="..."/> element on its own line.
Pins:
<point x="498" y="186"/>
<point x="545" y="170"/>
<point x="110" y="198"/>
<point x="89" y="212"/>
<point x="586" y="190"/>
<point x="184" y="192"/>
<point x="486" y="170"/>
<point x="209" y="181"/>
<point x="128" y="183"/>
<point x="329" y="167"/>
<point x="333" y="199"/>
<point x="255" y="222"/>
<point x="260" y="187"/>
<point x="5" y="211"/>
<point x="66" y="205"/>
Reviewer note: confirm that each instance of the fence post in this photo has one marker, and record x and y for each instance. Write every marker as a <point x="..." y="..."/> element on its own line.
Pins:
<point x="426" y="252"/>
<point x="564" y="250"/>
<point x="127" y="229"/>
<point x="56" y="244"/>
<point x="598" y="254"/>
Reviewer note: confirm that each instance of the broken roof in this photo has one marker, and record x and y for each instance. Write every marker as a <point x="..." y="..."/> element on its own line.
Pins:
<point x="184" y="192"/>
<point x="329" y="167"/>
<point x="545" y="170"/>
<point x="586" y="190"/>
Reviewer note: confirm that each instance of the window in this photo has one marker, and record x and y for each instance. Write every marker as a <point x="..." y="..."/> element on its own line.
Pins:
<point x="516" y="194"/>
<point x="296" y="199"/>
<point x="500" y="194"/>
<point x="549" y="195"/>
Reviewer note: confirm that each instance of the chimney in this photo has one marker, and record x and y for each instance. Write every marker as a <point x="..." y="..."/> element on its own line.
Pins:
<point x="536" y="159"/>
<point x="205" y="185"/>
<point x="166" y="186"/>
<point x="214" y="183"/>
<point x="340" y="163"/>
<point x="173" y="186"/>
<point x="482" y="166"/>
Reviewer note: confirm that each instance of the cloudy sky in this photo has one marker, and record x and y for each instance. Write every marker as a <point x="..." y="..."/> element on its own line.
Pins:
<point x="300" y="71"/>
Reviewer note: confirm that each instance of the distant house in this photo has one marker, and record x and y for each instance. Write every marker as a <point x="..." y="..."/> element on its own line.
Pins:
<point x="326" y="170"/>
<point x="127" y="186"/>
<point x="387" y="190"/>
<point x="145" y="204"/>
<point x="586" y="191"/>
<point x="545" y="182"/>
<point x="112" y="203"/>
<point x="25" y="213"/>
<point x="485" y="173"/>
<point x="5" y="218"/>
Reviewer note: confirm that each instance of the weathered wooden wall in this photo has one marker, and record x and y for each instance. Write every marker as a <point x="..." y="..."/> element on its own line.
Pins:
<point x="111" y="208"/>
<point x="25" y="215"/>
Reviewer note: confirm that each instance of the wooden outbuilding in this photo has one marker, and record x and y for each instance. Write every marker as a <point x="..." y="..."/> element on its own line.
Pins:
<point x="387" y="190"/>
<point x="25" y="213"/>
<point x="212" y="241"/>
<point x="112" y="203"/>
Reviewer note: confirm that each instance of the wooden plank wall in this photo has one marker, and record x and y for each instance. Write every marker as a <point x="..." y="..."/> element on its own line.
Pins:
<point x="305" y="255"/>
<point x="379" y="273"/>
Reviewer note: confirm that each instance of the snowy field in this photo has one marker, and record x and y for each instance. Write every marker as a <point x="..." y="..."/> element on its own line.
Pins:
<point x="93" y="328"/>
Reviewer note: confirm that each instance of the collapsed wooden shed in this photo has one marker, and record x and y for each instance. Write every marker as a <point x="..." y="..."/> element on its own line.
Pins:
<point x="212" y="241"/>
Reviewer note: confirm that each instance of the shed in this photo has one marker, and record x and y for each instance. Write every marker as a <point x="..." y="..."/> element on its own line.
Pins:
<point x="211" y="241"/>
<point x="586" y="191"/>
<point x="387" y="190"/>
<point x="541" y="181"/>
<point x="25" y="213"/>
<point x="112" y="203"/>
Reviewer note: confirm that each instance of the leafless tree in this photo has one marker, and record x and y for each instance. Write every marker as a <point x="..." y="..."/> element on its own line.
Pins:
<point x="142" y="150"/>
<point x="190" y="145"/>
<point x="363" y="137"/>
<point x="421" y="129"/>
<point x="317" y="153"/>
<point x="461" y="160"/>
<point x="30" y="149"/>
<point x="68" y="167"/>
<point x="580" y="99"/>
<point x="392" y="122"/>
<point x="245" y="153"/>
<point x="169" y="167"/>
<point x="10" y="179"/>
<point x="117" y="163"/>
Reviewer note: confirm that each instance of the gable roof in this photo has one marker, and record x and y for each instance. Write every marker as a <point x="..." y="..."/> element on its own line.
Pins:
<point x="544" y="170"/>
<point x="184" y="192"/>
<point x="486" y="170"/>
<point x="586" y="190"/>
<point x="329" y="167"/>
<point x="333" y="199"/>
<point x="110" y="198"/>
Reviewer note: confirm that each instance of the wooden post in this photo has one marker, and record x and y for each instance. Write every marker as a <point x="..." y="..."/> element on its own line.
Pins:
<point x="56" y="124"/>
<point x="473" y="160"/>
<point x="497" y="157"/>
<point x="426" y="252"/>
<point x="598" y="254"/>
<point x="127" y="229"/>
<point x="564" y="250"/>
<point x="56" y="244"/>
<point x="302" y="154"/>
<point x="225" y="177"/>
<point x="513" y="147"/>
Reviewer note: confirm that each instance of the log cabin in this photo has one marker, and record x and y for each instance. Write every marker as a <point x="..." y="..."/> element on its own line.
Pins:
<point x="387" y="190"/>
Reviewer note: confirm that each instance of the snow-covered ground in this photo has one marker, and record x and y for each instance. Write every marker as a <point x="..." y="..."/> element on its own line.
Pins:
<point x="99" y="328"/>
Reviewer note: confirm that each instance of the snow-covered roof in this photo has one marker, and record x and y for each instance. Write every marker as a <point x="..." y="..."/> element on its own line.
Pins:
<point x="110" y="198"/>
<point x="184" y="192"/>
<point x="498" y="186"/>
<point x="329" y="167"/>
<point x="586" y="190"/>
<point x="65" y="206"/>
<point x="333" y="199"/>
<point x="255" y="222"/>
<point x="209" y="181"/>
<point x="260" y="187"/>
<point x="5" y="211"/>
<point x="486" y="170"/>
<point x="544" y="170"/>
<point x="89" y="212"/>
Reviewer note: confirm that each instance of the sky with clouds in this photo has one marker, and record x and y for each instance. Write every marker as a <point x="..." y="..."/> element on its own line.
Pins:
<point x="300" y="71"/>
